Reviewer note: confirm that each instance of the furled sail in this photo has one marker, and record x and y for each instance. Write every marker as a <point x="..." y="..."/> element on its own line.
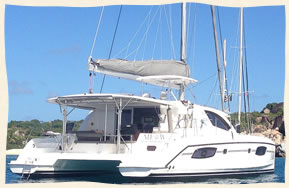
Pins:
<point x="136" y="70"/>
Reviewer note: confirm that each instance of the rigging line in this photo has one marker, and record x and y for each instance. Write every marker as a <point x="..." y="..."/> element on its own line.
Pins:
<point x="146" y="37"/>
<point x="129" y="43"/>
<point x="112" y="43"/>
<point x="145" y="40"/>
<point x="157" y="33"/>
<point x="136" y="50"/>
<point x="147" y="30"/>
<point x="234" y="58"/>
<point x="96" y="32"/>
<point x="161" y="38"/>
<point x="192" y="94"/>
<point x="171" y="37"/>
<point x="201" y="82"/>
<point x="214" y="88"/>
<point x="246" y="69"/>
<point x="132" y="52"/>
<point x="244" y="97"/>
<point x="127" y="48"/>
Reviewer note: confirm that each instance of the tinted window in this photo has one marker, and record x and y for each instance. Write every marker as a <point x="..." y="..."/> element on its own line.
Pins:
<point x="217" y="121"/>
<point x="261" y="150"/>
<point x="204" y="153"/>
<point x="126" y="117"/>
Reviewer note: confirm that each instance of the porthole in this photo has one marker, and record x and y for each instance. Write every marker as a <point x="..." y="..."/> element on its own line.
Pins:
<point x="261" y="150"/>
<point x="204" y="153"/>
<point x="249" y="150"/>
<point x="225" y="151"/>
<point x="151" y="148"/>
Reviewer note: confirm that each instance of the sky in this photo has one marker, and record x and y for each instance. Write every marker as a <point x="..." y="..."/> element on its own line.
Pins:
<point x="47" y="49"/>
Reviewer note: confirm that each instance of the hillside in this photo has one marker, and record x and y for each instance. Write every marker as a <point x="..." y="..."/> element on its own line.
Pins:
<point x="269" y="122"/>
<point x="271" y="117"/>
<point x="20" y="132"/>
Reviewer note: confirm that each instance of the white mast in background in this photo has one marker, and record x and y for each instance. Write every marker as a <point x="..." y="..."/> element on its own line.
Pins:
<point x="183" y="46"/>
<point x="224" y="73"/>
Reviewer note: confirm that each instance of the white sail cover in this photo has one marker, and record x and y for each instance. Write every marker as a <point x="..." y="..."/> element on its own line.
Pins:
<point x="135" y="70"/>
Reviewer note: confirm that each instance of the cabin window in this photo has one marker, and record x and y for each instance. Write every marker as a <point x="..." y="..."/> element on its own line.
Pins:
<point x="126" y="118"/>
<point x="204" y="153"/>
<point x="146" y="119"/>
<point x="138" y="120"/>
<point x="217" y="121"/>
<point x="261" y="150"/>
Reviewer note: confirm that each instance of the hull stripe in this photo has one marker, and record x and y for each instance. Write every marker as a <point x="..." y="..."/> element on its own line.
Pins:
<point x="212" y="144"/>
<point x="212" y="173"/>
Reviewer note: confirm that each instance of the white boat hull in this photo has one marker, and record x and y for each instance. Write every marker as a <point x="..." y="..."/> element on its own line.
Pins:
<point x="177" y="159"/>
<point x="235" y="160"/>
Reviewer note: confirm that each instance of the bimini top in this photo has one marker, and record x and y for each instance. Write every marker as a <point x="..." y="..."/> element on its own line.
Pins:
<point x="91" y="101"/>
<point x="137" y="70"/>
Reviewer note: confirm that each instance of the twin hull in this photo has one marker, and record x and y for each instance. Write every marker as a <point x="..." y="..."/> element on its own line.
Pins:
<point x="182" y="157"/>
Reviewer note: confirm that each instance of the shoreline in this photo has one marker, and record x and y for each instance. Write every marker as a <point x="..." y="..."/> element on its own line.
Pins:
<point x="13" y="151"/>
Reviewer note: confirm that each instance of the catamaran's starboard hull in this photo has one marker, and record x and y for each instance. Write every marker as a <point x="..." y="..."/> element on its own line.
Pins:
<point x="218" y="159"/>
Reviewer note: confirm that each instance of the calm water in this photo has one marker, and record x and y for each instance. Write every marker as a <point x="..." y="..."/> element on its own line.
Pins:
<point x="277" y="177"/>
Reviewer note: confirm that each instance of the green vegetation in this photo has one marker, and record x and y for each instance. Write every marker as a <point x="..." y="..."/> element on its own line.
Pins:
<point x="275" y="110"/>
<point x="20" y="132"/>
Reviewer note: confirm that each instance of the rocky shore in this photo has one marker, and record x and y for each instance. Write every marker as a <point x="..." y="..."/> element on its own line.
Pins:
<point x="270" y="124"/>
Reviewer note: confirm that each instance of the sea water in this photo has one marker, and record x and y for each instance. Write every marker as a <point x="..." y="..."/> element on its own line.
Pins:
<point x="276" y="177"/>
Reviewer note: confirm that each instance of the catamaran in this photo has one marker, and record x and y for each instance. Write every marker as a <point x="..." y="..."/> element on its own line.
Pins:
<point x="141" y="136"/>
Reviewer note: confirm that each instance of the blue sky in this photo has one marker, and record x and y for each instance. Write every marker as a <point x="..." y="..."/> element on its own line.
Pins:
<point x="47" y="50"/>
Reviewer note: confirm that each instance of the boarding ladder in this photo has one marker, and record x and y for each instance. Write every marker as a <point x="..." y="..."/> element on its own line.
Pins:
<point x="27" y="169"/>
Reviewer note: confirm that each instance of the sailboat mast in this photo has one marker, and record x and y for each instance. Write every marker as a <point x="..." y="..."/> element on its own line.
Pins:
<point x="218" y="57"/>
<point x="183" y="36"/>
<point x="241" y="63"/>
<point x="183" y="46"/>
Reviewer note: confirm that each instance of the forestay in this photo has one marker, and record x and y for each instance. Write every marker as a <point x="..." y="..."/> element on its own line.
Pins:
<point x="135" y="70"/>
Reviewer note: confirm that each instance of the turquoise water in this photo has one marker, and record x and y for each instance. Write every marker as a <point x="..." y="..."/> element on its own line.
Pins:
<point x="277" y="177"/>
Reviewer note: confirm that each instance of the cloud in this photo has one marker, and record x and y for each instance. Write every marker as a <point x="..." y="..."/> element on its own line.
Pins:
<point x="19" y="88"/>
<point x="66" y="50"/>
<point x="42" y="84"/>
<point x="51" y="94"/>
